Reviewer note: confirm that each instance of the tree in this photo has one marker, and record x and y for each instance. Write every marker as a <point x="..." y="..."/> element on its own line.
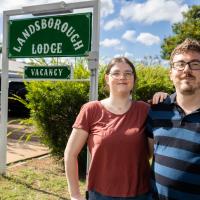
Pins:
<point x="188" y="28"/>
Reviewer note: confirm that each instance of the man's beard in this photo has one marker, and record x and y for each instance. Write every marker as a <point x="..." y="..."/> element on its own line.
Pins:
<point x="188" y="88"/>
<point x="187" y="91"/>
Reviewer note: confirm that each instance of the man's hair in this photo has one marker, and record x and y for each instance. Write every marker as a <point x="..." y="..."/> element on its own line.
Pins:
<point x="187" y="45"/>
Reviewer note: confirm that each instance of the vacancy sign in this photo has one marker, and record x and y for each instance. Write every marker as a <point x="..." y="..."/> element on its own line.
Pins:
<point x="46" y="72"/>
<point x="59" y="36"/>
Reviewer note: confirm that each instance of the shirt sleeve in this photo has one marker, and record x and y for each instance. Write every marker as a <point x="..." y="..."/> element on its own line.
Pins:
<point x="83" y="120"/>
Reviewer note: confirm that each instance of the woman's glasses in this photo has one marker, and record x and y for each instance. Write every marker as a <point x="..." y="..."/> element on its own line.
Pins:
<point x="118" y="75"/>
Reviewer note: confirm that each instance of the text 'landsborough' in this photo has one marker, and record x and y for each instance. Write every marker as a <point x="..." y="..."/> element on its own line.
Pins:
<point x="64" y="35"/>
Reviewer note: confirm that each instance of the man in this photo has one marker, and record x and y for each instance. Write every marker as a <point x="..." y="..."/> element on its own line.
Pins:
<point x="175" y="126"/>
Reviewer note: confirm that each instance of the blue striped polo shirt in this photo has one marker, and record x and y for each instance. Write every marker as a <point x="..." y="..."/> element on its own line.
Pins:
<point x="176" y="162"/>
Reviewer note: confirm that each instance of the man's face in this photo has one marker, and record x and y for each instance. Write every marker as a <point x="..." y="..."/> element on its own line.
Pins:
<point x="186" y="81"/>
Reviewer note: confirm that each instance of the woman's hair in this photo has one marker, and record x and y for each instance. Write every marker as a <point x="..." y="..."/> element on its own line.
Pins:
<point x="116" y="60"/>
<point x="187" y="45"/>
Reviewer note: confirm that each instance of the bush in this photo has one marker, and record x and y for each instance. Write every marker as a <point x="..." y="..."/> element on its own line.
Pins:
<point x="53" y="110"/>
<point x="152" y="79"/>
<point x="103" y="91"/>
<point x="54" y="107"/>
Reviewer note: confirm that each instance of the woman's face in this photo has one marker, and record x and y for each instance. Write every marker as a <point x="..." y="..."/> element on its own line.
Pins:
<point x="120" y="80"/>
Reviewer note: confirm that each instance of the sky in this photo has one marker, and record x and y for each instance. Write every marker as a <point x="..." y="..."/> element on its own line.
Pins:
<point x="132" y="28"/>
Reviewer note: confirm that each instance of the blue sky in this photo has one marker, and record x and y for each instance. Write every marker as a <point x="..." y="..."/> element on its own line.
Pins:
<point x="137" y="28"/>
<point x="134" y="28"/>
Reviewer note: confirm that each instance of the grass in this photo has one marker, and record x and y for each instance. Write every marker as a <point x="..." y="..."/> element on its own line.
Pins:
<point x="37" y="179"/>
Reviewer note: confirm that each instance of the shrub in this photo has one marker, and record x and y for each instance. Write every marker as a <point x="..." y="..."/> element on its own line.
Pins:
<point x="53" y="110"/>
<point x="152" y="79"/>
<point x="103" y="91"/>
<point x="54" y="107"/>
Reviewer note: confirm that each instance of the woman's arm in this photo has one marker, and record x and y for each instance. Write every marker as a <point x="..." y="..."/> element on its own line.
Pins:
<point x="75" y="143"/>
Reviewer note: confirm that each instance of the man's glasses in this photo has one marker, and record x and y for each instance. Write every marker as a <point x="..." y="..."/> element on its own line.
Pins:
<point x="180" y="65"/>
<point x="118" y="75"/>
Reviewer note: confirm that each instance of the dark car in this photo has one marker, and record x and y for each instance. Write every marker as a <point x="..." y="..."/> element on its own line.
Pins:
<point x="15" y="106"/>
<point x="16" y="87"/>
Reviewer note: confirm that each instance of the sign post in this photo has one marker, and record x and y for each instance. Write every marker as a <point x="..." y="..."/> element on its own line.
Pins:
<point x="25" y="41"/>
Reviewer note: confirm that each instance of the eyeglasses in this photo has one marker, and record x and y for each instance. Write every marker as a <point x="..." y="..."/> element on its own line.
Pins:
<point x="126" y="75"/>
<point x="180" y="65"/>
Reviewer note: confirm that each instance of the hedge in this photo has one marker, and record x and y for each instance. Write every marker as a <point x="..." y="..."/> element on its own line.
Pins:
<point x="55" y="105"/>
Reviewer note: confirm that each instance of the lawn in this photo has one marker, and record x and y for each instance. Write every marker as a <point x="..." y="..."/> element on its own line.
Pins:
<point x="37" y="179"/>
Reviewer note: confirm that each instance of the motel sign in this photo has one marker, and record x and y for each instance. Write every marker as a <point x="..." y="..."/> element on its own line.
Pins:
<point x="64" y="35"/>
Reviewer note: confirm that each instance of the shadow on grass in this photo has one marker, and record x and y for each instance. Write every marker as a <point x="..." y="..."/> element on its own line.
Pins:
<point x="14" y="180"/>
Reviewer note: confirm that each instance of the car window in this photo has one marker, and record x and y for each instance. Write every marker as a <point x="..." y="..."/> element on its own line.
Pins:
<point x="15" y="86"/>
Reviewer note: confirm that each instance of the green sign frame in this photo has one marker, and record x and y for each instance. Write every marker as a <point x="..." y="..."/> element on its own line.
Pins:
<point x="53" y="36"/>
<point x="47" y="72"/>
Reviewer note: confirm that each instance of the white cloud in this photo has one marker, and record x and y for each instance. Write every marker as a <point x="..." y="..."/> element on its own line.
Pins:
<point x="120" y="48"/>
<point x="107" y="7"/>
<point x="113" y="24"/>
<point x="129" y="35"/>
<point x="154" y="10"/>
<point x="148" y="39"/>
<point x="110" y="42"/>
<point x="118" y="55"/>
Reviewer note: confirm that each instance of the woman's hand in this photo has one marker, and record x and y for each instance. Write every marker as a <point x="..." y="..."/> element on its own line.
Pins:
<point x="77" y="198"/>
<point x="159" y="97"/>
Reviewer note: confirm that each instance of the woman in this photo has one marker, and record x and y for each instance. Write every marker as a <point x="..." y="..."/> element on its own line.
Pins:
<point x="114" y="131"/>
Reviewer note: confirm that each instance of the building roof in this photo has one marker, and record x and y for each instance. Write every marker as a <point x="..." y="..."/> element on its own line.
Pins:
<point x="14" y="66"/>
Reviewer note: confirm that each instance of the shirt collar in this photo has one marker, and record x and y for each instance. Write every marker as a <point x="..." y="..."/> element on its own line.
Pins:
<point x="171" y="99"/>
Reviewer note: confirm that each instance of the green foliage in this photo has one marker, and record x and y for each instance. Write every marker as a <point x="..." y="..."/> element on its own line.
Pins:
<point x="52" y="62"/>
<point x="189" y="28"/>
<point x="103" y="90"/>
<point x="151" y="79"/>
<point x="54" y="107"/>
<point x="80" y="71"/>
<point x="27" y="134"/>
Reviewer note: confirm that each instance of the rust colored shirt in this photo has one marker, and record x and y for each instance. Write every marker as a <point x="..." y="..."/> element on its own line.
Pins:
<point x="118" y="145"/>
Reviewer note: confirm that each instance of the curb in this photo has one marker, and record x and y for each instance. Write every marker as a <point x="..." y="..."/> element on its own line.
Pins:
<point x="23" y="161"/>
